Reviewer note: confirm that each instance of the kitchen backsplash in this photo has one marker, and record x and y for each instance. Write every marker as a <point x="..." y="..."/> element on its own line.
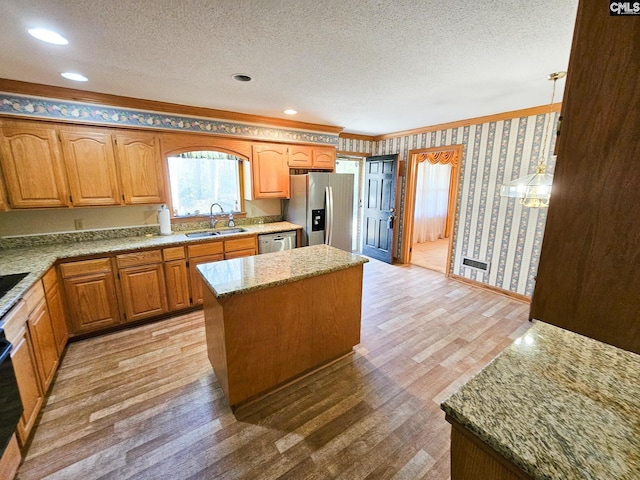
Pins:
<point x="22" y="241"/>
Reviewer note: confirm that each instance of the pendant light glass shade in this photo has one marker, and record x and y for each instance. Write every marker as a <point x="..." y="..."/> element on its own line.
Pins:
<point x="534" y="190"/>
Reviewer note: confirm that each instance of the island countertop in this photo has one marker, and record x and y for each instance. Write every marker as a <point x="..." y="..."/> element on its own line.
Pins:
<point x="558" y="405"/>
<point x="246" y="274"/>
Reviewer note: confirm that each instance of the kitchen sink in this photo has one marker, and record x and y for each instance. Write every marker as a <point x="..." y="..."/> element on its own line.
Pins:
<point x="229" y="231"/>
<point x="214" y="233"/>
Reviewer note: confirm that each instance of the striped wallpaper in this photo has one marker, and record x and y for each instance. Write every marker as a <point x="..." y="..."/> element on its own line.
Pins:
<point x="488" y="227"/>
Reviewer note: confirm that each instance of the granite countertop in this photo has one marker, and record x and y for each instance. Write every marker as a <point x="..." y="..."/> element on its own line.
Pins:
<point x="38" y="259"/>
<point x="559" y="405"/>
<point x="246" y="274"/>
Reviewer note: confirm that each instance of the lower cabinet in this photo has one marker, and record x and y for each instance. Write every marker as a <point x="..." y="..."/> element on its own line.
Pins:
<point x="202" y="253"/>
<point x="241" y="247"/>
<point x="56" y="310"/>
<point x="176" y="274"/>
<point x="44" y="344"/>
<point x="105" y="292"/>
<point x="90" y="291"/>
<point x="143" y="285"/>
<point x="25" y="367"/>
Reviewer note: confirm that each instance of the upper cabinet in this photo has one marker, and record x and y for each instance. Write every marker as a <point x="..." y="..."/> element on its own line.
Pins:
<point x="46" y="165"/>
<point x="140" y="163"/>
<point x="305" y="156"/>
<point x="32" y="166"/>
<point x="269" y="171"/>
<point x="91" y="167"/>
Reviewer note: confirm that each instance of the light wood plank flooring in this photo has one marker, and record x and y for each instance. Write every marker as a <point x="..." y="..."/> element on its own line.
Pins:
<point x="431" y="255"/>
<point x="145" y="404"/>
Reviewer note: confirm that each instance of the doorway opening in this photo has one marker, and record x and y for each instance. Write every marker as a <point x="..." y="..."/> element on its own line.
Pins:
<point x="354" y="165"/>
<point x="432" y="186"/>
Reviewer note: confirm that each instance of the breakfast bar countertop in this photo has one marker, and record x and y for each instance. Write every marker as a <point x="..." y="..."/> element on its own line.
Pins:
<point x="557" y="405"/>
<point x="246" y="274"/>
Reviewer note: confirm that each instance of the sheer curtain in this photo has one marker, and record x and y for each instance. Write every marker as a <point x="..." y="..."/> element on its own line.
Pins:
<point x="432" y="201"/>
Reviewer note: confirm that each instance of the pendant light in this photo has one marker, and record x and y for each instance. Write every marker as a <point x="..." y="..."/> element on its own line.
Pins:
<point x="534" y="190"/>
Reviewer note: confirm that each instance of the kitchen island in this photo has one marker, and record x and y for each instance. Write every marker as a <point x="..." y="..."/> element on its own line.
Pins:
<point x="553" y="405"/>
<point x="276" y="317"/>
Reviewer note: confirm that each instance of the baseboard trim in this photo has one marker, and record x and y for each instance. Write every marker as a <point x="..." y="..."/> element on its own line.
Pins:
<point x="501" y="291"/>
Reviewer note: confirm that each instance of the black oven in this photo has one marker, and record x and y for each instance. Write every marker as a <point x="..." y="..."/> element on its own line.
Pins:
<point x="10" y="403"/>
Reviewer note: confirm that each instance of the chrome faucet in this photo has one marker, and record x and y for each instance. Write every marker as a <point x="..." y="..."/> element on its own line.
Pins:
<point x="214" y="221"/>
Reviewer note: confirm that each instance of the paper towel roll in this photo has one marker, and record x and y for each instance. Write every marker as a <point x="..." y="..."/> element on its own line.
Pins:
<point x="165" y="220"/>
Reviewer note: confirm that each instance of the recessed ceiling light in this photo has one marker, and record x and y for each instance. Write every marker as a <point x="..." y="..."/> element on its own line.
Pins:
<point x="76" y="77"/>
<point x="48" y="36"/>
<point x="290" y="111"/>
<point x="241" y="77"/>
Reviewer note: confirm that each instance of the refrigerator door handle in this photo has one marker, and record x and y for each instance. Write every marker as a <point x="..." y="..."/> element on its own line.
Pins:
<point x="328" y="238"/>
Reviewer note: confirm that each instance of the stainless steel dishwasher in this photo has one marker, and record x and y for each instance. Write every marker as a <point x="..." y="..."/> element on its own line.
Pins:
<point x="276" y="242"/>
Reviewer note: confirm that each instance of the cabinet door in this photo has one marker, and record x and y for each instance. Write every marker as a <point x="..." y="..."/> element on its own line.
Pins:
<point x="140" y="164"/>
<point x="177" y="284"/>
<point x="91" y="167"/>
<point x="143" y="291"/>
<point x="300" y="156"/>
<point x="324" y="158"/>
<point x="58" y="322"/>
<point x="270" y="171"/>
<point x="196" y="280"/>
<point x="24" y="365"/>
<point x="44" y="344"/>
<point x="92" y="301"/>
<point x="32" y="166"/>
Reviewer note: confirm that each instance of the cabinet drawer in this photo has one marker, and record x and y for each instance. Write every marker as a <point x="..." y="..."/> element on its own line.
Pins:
<point x="15" y="321"/>
<point x="240" y="244"/>
<point x="205" y="249"/>
<point x="99" y="265"/>
<point x="173" y="253"/>
<point x="139" y="258"/>
<point x="50" y="279"/>
<point x="34" y="296"/>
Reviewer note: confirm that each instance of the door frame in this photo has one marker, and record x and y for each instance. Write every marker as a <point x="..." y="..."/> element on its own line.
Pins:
<point x="410" y="198"/>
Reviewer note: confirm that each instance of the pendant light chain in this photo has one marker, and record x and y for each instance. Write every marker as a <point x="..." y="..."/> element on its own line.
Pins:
<point x="543" y="154"/>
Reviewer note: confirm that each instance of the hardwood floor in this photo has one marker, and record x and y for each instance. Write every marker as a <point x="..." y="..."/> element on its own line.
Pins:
<point x="145" y="404"/>
<point x="431" y="255"/>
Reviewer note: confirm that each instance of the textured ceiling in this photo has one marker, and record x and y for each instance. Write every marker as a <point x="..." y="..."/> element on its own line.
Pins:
<point x="371" y="66"/>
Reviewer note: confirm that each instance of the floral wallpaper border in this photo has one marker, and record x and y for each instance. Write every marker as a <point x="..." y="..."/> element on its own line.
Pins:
<point x="42" y="108"/>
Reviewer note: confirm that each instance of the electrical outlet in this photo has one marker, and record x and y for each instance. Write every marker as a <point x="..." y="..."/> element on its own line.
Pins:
<point x="79" y="223"/>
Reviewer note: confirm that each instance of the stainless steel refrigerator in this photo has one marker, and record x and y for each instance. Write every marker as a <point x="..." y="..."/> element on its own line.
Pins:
<point x="322" y="203"/>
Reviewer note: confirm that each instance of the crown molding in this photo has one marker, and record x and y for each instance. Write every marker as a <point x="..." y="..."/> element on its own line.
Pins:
<point x="62" y="93"/>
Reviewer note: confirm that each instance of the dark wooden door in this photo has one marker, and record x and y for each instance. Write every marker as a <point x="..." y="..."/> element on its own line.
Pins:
<point x="379" y="207"/>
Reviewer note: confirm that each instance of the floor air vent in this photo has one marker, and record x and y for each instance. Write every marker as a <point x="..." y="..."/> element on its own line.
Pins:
<point x="475" y="264"/>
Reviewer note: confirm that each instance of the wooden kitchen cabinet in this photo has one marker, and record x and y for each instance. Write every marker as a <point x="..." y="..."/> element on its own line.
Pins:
<point x="202" y="253"/>
<point x="56" y="309"/>
<point x="140" y="164"/>
<point x="24" y="366"/>
<point x="306" y="156"/>
<point x="300" y="156"/>
<point x="32" y="166"/>
<point x="91" y="167"/>
<point x="269" y="171"/>
<point x="90" y="291"/>
<point x="324" y="157"/>
<point x="176" y="274"/>
<point x="44" y="344"/>
<point x="241" y="247"/>
<point x="142" y="283"/>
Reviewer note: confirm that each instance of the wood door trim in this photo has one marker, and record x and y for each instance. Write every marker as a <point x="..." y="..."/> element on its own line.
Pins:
<point x="431" y="155"/>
